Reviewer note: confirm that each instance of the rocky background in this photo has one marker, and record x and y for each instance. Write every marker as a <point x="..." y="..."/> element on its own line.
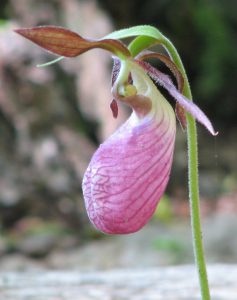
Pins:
<point x="52" y="119"/>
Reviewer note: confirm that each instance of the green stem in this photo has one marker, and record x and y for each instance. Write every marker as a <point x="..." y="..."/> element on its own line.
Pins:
<point x="193" y="179"/>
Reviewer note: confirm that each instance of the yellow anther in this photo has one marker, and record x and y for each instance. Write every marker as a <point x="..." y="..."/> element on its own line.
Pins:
<point x="127" y="90"/>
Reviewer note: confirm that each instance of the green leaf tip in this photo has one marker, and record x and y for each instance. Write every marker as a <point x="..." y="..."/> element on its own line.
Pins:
<point x="50" y="62"/>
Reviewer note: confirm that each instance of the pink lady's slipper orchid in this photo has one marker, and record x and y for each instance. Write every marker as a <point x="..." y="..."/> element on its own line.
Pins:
<point x="129" y="172"/>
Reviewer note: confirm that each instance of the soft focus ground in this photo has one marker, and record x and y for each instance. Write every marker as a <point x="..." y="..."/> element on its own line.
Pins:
<point x="156" y="245"/>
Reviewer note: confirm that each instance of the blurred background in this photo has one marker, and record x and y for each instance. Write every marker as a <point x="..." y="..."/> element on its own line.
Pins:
<point x="52" y="119"/>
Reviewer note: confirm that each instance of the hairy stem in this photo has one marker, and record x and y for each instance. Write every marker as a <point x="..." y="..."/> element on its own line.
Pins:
<point x="193" y="179"/>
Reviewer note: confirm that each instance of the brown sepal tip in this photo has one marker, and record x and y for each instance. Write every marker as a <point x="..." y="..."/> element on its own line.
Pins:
<point x="67" y="43"/>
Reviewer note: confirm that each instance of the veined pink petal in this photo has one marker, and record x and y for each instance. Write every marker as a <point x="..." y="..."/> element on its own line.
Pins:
<point x="128" y="175"/>
<point x="129" y="172"/>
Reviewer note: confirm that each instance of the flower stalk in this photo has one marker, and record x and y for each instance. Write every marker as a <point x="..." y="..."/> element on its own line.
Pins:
<point x="193" y="181"/>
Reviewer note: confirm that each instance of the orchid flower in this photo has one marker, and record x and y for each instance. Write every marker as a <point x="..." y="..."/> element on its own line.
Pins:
<point x="129" y="172"/>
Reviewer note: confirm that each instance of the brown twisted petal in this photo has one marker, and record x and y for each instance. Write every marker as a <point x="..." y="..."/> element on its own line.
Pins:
<point x="188" y="105"/>
<point x="168" y="62"/>
<point x="179" y="110"/>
